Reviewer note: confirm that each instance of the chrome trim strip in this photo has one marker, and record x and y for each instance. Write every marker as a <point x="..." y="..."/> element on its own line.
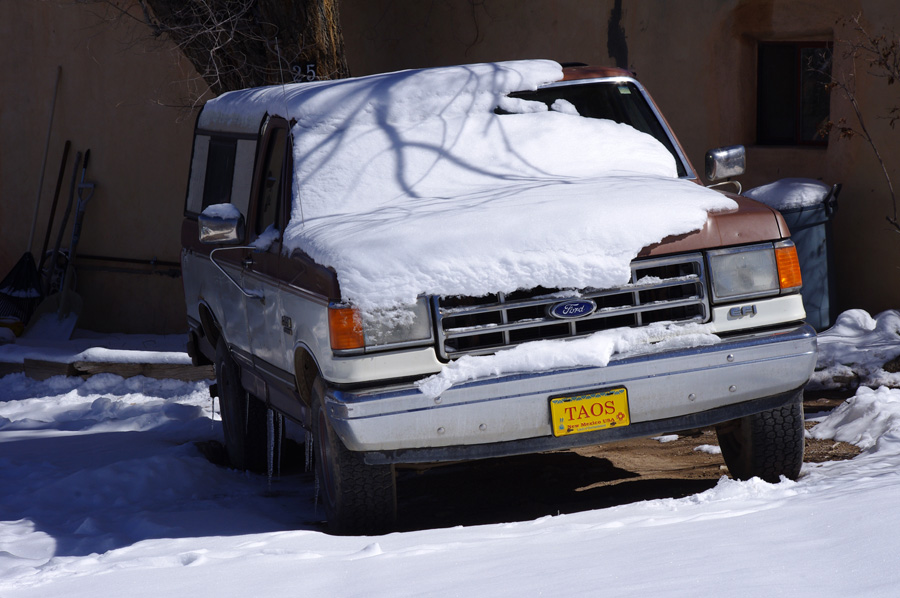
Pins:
<point x="229" y="277"/>
<point x="375" y="349"/>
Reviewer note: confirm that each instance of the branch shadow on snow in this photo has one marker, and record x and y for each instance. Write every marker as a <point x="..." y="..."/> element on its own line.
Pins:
<point x="95" y="492"/>
<point x="325" y="162"/>
<point x="379" y="101"/>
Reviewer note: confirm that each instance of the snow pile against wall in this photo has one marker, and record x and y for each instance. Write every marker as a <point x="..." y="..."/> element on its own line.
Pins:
<point x="869" y="418"/>
<point x="856" y="349"/>
<point x="409" y="183"/>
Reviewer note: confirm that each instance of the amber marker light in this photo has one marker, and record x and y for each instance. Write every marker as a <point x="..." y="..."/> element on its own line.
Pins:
<point x="345" y="327"/>
<point x="789" y="278"/>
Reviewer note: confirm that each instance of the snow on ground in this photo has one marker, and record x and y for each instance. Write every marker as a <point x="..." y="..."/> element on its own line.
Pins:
<point x="106" y="493"/>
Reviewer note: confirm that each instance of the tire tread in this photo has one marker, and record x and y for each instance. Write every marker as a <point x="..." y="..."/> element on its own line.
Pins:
<point x="767" y="445"/>
<point x="365" y="496"/>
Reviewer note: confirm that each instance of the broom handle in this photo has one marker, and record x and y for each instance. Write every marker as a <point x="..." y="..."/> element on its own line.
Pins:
<point x="37" y="203"/>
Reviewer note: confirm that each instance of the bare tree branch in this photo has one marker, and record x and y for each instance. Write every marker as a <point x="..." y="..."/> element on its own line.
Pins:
<point x="234" y="44"/>
<point x="881" y="56"/>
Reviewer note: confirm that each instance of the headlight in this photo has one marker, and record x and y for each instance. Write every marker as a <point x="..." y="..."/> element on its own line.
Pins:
<point x="352" y="330"/>
<point x="754" y="271"/>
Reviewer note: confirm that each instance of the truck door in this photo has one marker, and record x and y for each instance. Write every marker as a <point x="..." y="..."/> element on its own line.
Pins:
<point x="221" y="170"/>
<point x="269" y="199"/>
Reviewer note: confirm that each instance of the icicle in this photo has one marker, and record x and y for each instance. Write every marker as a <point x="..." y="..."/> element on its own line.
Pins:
<point x="279" y="428"/>
<point x="270" y="421"/>
<point x="309" y="451"/>
<point x="316" y="496"/>
<point x="310" y="467"/>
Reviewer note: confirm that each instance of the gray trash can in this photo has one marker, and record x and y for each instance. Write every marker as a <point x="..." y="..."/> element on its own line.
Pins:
<point x="808" y="207"/>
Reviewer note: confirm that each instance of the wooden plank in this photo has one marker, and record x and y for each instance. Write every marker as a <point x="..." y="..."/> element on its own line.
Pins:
<point x="10" y="368"/>
<point x="187" y="373"/>
<point x="39" y="369"/>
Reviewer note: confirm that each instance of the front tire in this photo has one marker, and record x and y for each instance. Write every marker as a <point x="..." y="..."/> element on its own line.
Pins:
<point x="766" y="445"/>
<point x="359" y="499"/>
<point x="243" y="417"/>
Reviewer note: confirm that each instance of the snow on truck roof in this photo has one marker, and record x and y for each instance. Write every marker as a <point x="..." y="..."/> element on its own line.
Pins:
<point x="413" y="182"/>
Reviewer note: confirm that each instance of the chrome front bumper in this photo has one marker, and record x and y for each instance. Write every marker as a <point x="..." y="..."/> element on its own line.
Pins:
<point x="511" y="414"/>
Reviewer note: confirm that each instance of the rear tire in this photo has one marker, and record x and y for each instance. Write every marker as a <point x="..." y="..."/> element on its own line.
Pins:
<point x="359" y="499"/>
<point x="766" y="445"/>
<point x="243" y="417"/>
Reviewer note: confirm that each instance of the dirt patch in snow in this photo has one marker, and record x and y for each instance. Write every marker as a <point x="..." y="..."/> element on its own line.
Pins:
<point x="532" y="486"/>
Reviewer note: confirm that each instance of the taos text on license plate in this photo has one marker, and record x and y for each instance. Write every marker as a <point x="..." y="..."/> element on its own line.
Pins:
<point x="588" y="412"/>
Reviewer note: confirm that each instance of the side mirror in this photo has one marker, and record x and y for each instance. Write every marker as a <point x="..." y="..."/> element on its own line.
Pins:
<point x="221" y="223"/>
<point x="724" y="162"/>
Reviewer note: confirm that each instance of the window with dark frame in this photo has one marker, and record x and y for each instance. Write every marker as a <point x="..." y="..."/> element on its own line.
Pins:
<point x="219" y="171"/>
<point x="792" y="93"/>
<point x="621" y="102"/>
<point x="271" y="183"/>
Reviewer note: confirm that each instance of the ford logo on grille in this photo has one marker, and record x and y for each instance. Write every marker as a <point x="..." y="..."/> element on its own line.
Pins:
<point x="569" y="310"/>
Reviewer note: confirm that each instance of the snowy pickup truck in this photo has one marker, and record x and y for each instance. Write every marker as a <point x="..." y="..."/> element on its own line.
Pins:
<point x="477" y="261"/>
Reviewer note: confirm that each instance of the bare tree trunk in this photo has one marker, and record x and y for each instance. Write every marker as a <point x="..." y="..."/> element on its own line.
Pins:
<point x="235" y="44"/>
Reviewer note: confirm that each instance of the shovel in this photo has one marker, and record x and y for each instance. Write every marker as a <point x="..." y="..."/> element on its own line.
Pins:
<point x="56" y="316"/>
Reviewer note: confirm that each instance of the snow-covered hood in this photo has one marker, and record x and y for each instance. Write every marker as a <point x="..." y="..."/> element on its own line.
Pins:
<point x="412" y="183"/>
<point x="577" y="234"/>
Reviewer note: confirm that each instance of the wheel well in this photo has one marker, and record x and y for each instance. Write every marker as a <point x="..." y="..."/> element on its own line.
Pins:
<point x="305" y="371"/>
<point x="209" y="325"/>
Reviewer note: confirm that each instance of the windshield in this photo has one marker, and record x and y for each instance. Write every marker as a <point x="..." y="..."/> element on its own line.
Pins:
<point x="620" y="101"/>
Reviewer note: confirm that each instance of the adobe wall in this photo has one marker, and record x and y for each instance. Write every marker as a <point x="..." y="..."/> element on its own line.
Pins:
<point x="698" y="59"/>
<point x="713" y="104"/>
<point x="117" y="88"/>
<point x="114" y="97"/>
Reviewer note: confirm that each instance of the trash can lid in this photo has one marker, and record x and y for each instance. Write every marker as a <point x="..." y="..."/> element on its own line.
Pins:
<point x="790" y="193"/>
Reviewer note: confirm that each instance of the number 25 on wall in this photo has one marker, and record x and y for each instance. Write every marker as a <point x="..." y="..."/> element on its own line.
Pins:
<point x="306" y="72"/>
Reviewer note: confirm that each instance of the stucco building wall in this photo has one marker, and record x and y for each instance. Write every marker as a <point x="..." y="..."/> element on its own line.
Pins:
<point x="122" y="94"/>
<point x="698" y="59"/>
<point x="118" y="95"/>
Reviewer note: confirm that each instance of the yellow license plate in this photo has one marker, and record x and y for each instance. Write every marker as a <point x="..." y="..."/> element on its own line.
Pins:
<point x="589" y="412"/>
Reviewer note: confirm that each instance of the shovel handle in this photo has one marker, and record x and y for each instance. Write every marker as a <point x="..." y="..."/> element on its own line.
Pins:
<point x="62" y="225"/>
<point x="59" y="182"/>
<point x="82" y="185"/>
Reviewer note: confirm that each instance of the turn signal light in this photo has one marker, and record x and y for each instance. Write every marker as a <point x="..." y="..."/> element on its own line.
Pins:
<point x="789" y="278"/>
<point x="345" y="328"/>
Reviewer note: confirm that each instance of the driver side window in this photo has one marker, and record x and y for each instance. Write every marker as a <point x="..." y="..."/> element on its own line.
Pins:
<point x="271" y="182"/>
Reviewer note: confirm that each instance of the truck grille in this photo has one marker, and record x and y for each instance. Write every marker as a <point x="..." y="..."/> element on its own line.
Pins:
<point x="661" y="289"/>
